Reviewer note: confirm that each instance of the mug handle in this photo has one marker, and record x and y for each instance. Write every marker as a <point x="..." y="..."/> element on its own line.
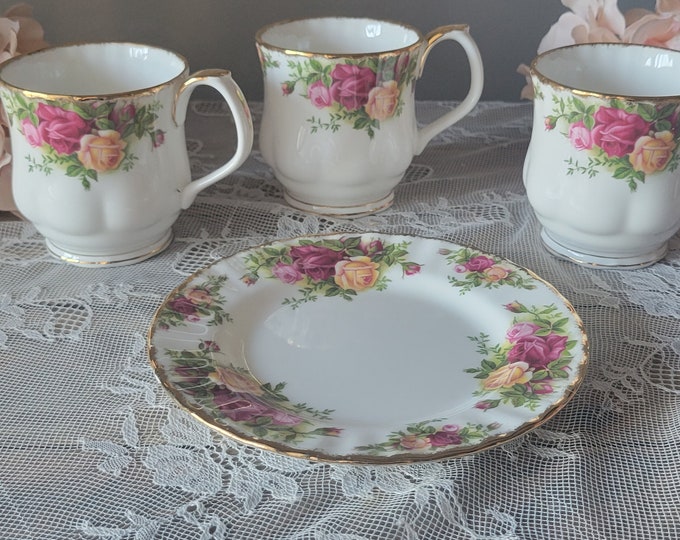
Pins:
<point x="461" y="34"/>
<point x="220" y="80"/>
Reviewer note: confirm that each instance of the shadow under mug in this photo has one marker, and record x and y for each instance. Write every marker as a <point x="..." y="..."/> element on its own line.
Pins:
<point x="602" y="170"/>
<point x="99" y="158"/>
<point x="339" y="124"/>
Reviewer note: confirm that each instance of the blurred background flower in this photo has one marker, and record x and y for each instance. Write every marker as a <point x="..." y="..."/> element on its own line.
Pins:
<point x="20" y="33"/>
<point x="591" y="21"/>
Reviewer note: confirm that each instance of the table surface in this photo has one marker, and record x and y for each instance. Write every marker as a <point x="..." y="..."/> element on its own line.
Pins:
<point x="92" y="446"/>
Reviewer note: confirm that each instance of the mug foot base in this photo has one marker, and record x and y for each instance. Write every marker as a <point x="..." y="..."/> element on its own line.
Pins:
<point x="110" y="260"/>
<point x="353" y="211"/>
<point x="598" y="261"/>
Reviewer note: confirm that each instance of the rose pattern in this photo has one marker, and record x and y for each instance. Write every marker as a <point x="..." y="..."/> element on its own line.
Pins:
<point x="357" y="273"/>
<point x="529" y="366"/>
<point x="234" y="396"/>
<point x="653" y="153"/>
<point x="530" y="363"/>
<point x="383" y="101"/>
<point x="201" y="301"/>
<point x="476" y="269"/>
<point x="351" y="85"/>
<point x="340" y="267"/>
<point x="630" y="141"/>
<point x="86" y="139"/>
<point x="425" y="436"/>
<point x="60" y="129"/>
<point x="361" y="93"/>
<point x="102" y="151"/>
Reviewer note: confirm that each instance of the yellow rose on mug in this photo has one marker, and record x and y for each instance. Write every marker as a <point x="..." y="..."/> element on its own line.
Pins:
<point x="103" y="151"/>
<point x="383" y="101"/>
<point x="652" y="152"/>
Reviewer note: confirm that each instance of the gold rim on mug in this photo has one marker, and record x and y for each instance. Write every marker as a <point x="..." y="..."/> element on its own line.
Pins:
<point x="150" y="90"/>
<point x="582" y="92"/>
<point x="335" y="55"/>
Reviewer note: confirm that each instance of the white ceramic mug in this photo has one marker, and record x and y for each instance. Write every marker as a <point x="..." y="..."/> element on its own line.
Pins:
<point x="601" y="171"/>
<point x="99" y="159"/>
<point x="339" y="125"/>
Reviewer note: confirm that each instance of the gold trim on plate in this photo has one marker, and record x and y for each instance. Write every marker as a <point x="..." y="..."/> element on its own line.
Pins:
<point x="358" y="458"/>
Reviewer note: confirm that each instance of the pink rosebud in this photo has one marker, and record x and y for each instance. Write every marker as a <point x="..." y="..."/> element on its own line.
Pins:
<point x="158" y="138"/>
<point x="287" y="88"/>
<point x="412" y="269"/>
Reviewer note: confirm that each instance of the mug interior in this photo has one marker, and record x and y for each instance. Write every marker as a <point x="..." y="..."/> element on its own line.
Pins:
<point x="93" y="69"/>
<point x="614" y="69"/>
<point x="337" y="36"/>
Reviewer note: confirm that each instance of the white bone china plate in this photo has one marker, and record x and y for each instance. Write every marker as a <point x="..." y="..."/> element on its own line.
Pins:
<point x="368" y="348"/>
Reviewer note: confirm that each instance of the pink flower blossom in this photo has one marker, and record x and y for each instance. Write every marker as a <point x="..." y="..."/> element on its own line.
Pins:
<point x="372" y="247"/>
<point x="287" y="273"/>
<point x="320" y="95"/>
<point x="31" y="133"/>
<point x="317" y="262"/>
<point x="444" y="438"/>
<point x="580" y="136"/>
<point x="538" y="351"/>
<point x="412" y="269"/>
<point x="61" y="129"/>
<point x="660" y="29"/>
<point x="521" y="330"/>
<point x="616" y="130"/>
<point x="351" y="85"/>
<point x="589" y="21"/>
<point x="479" y="263"/>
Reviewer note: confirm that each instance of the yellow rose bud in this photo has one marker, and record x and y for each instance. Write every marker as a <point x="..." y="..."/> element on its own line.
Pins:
<point x="507" y="376"/>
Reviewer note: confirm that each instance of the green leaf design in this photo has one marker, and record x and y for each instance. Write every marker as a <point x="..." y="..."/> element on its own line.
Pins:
<point x="353" y="264"/>
<point x="638" y="162"/>
<point x="99" y="118"/>
<point x="519" y="376"/>
<point x="304" y="73"/>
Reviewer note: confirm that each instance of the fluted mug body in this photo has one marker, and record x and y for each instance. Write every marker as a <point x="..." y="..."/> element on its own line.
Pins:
<point x="601" y="171"/>
<point x="99" y="159"/>
<point x="339" y="125"/>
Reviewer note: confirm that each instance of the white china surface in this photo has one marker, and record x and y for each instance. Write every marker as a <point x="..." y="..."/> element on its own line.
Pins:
<point x="651" y="71"/>
<point x="92" y="69"/>
<point x="339" y="35"/>
<point x="368" y="348"/>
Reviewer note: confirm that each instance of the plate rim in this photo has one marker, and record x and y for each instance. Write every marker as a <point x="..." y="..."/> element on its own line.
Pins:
<point x="358" y="458"/>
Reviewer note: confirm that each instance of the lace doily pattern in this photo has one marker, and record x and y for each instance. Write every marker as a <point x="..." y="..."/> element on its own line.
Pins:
<point x="93" y="447"/>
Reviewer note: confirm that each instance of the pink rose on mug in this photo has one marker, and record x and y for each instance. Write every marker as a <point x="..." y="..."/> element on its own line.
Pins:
<point x="31" y="132"/>
<point x="320" y="95"/>
<point x="616" y="130"/>
<point x="580" y="136"/>
<point x="61" y="129"/>
<point x="351" y="85"/>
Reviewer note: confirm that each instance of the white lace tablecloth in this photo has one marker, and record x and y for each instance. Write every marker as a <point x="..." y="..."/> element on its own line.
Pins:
<point x="91" y="446"/>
